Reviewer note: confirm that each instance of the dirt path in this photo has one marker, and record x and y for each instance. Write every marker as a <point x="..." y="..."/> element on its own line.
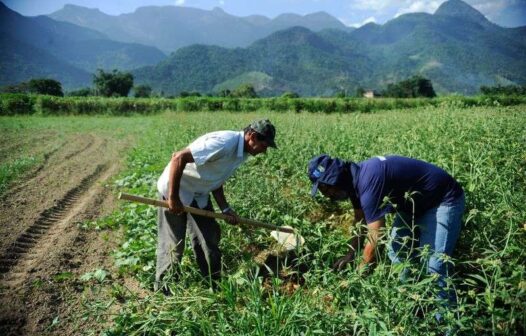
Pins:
<point x="43" y="249"/>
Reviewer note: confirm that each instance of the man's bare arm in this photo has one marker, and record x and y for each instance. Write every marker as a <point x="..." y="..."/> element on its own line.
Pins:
<point x="178" y="163"/>
<point x="354" y="243"/>
<point x="373" y="234"/>
<point x="219" y="195"/>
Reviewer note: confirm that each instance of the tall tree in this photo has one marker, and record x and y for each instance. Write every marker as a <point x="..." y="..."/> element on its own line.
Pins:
<point x="113" y="84"/>
<point x="416" y="86"/>
<point x="142" y="91"/>
<point x="45" y="86"/>
<point x="245" y="91"/>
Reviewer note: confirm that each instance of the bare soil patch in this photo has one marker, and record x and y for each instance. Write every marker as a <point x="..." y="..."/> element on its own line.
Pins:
<point x="43" y="249"/>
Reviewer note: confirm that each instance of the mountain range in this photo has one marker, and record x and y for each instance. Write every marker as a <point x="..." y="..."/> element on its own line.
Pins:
<point x="172" y="27"/>
<point x="42" y="47"/>
<point x="456" y="47"/>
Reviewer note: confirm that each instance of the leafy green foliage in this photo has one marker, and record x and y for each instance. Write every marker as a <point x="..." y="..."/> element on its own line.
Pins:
<point x="45" y="86"/>
<point x="244" y="91"/>
<point x="414" y="87"/>
<point x="99" y="275"/>
<point x="290" y="94"/>
<point x="142" y="91"/>
<point x="507" y="90"/>
<point x="113" y="84"/>
<point x="11" y="104"/>
<point x="185" y="94"/>
<point x="85" y="92"/>
<point x="9" y="171"/>
<point x="479" y="146"/>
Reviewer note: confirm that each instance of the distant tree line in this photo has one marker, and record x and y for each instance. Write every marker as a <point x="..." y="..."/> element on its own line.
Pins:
<point x="43" y="86"/>
<point x="507" y="90"/>
<point x="107" y="84"/>
<point x="117" y="83"/>
<point x="414" y="87"/>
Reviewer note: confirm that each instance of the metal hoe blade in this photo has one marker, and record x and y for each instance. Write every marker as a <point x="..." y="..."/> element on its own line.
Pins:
<point x="288" y="241"/>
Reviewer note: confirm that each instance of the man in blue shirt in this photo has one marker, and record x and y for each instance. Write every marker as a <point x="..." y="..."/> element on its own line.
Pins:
<point x="423" y="197"/>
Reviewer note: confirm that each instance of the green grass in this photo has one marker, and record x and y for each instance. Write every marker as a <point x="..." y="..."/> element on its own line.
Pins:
<point x="482" y="147"/>
<point x="12" y="170"/>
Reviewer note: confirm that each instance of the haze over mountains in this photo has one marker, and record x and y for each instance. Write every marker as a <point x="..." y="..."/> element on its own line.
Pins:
<point x="42" y="47"/>
<point x="456" y="47"/>
<point x="170" y="28"/>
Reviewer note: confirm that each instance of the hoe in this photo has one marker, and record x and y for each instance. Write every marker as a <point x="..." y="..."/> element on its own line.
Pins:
<point x="287" y="237"/>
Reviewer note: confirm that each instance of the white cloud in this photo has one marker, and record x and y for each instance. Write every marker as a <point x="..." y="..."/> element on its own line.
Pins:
<point x="422" y="6"/>
<point x="356" y="25"/>
<point x="491" y="6"/>
<point x="486" y="7"/>
<point x="375" y="5"/>
<point x="386" y="9"/>
<point x="221" y="3"/>
<point x="179" y="2"/>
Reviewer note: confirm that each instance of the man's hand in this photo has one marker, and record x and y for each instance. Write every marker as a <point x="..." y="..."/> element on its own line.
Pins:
<point x="175" y="206"/>
<point x="343" y="261"/>
<point x="232" y="218"/>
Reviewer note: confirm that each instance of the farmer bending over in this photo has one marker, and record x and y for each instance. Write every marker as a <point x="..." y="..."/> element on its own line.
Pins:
<point x="188" y="179"/>
<point x="420" y="194"/>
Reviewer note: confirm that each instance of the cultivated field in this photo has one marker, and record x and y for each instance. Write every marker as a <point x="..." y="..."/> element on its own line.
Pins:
<point x="73" y="261"/>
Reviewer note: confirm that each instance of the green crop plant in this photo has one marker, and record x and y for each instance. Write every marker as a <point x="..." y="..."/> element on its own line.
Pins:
<point x="17" y="104"/>
<point x="477" y="139"/>
<point x="481" y="147"/>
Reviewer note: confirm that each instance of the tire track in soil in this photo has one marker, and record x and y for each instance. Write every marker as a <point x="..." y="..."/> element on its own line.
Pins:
<point x="47" y="218"/>
<point x="34" y="174"/>
<point x="41" y="238"/>
<point x="27" y="259"/>
<point x="60" y="165"/>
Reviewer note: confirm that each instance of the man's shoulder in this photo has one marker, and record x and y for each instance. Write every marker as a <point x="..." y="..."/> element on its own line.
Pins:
<point x="218" y="136"/>
<point x="214" y="145"/>
<point x="225" y="133"/>
<point x="225" y="136"/>
<point x="371" y="174"/>
<point x="370" y="167"/>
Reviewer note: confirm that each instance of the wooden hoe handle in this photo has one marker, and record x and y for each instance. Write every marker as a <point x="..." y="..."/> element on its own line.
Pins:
<point x="201" y="212"/>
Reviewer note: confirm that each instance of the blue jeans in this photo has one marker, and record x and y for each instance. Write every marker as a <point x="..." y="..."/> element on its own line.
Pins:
<point x="439" y="229"/>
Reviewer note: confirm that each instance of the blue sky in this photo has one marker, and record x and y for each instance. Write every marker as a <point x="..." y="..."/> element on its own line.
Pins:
<point x="507" y="13"/>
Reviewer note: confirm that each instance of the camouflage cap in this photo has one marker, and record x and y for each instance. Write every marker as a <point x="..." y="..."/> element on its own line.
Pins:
<point x="266" y="129"/>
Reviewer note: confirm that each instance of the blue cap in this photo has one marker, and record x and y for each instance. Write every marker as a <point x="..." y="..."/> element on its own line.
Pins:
<point x="326" y="170"/>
